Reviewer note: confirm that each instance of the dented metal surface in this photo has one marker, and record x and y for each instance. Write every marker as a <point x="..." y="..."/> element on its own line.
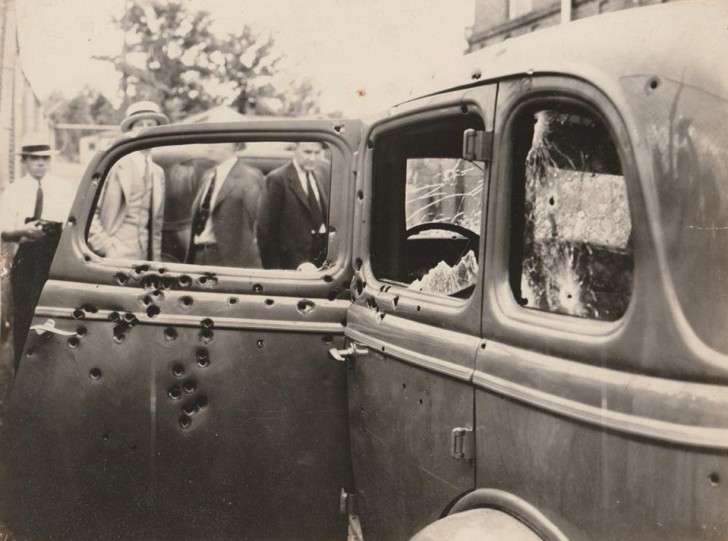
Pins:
<point x="191" y="402"/>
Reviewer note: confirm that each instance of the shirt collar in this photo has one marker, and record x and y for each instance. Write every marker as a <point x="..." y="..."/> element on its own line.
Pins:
<point x="224" y="168"/>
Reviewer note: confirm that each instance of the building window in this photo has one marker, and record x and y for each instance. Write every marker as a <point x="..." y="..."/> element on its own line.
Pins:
<point x="517" y="8"/>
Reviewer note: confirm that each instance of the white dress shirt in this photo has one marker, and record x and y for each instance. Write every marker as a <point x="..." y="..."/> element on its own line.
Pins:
<point x="304" y="181"/>
<point x="18" y="201"/>
<point x="221" y="173"/>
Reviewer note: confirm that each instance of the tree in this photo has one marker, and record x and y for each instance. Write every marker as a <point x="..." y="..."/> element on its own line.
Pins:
<point x="173" y="56"/>
<point x="89" y="106"/>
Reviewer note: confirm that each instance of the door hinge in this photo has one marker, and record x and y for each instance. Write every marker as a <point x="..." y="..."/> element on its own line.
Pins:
<point x="463" y="443"/>
<point x="478" y="145"/>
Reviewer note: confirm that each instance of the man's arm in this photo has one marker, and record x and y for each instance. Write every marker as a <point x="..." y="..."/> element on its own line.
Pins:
<point x="110" y="201"/>
<point x="268" y="223"/>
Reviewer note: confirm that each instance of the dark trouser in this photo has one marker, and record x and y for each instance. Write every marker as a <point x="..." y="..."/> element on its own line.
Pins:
<point x="28" y="274"/>
<point x="206" y="254"/>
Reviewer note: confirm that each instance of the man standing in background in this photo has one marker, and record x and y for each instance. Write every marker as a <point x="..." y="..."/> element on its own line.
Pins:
<point x="32" y="212"/>
<point x="292" y="217"/>
<point x="224" y="212"/>
<point x="130" y="213"/>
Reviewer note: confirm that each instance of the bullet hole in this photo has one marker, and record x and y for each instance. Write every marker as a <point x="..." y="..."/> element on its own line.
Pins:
<point x="418" y="308"/>
<point x="714" y="479"/>
<point x="120" y="330"/>
<point x="185" y="421"/>
<point x="327" y="339"/>
<point x="146" y="300"/>
<point x="185" y="302"/>
<point x="395" y="302"/>
<point x="87" y="258"/>
<point x="30" y="352"/>
<point x="170" y="334"/>
<point x="382" y="288"/>
<point x="382" y="349"/>
<point x="202" y="402"/>
<point x="482" y="346"/>
<point x="118" y="337"/>
<point x="523" y="301"/>
<point x="257" y="289"/>
<point x="464" y="109"/>
<point x="81" y="331"/>
<point x="157" y="294"/>
<point x="361" y="410"/>
<point x="130" y="318"/>
<point x="184" y="281"/>
<point x="207" y="323"/>
<point x="189" y="386"/>
<point x="105" y="436"/>
<point x="174" y="392"/>
<point x="379" y="317"/>
<point x="334" y="294"/>
<point x="305" y="306"/>
<point x="552" y="201"/>
<point x="260" y="343"/>
<point x="652" y="84"/>
<point x="208" y="280"/>
<point x="140" y="269"/>
<point x="153" y="311"/>
<point x="387" y="288"/>
<point x="232" y="300"/>
<point x="328" y="278"/>
<point x="190" y="408"/>
<point x="404" y="385"/>
<point x="71" y="221"/>
<point x="206" y="336"/>
<point x="420" y="401"/>
<point x="359" y="286"/>
<point x="178" y="370"/>
<point x="203" y="357"/>
<point x="358" y="263"/>
<point x="269" y="302"/>
<point x="78" y="314"/>
<point x="477" y="74"/>
<point x="161" y="270"/>
<point x="370" y="144"/>
<point x="151" y="282"/>
<point x="73" y="342"/>
<point x="372" y="303"/>
<point x="94" y="374"/>
<point x="120" y="279"/>
<point x="339" y="128"/>
<point x="360" y="195"/>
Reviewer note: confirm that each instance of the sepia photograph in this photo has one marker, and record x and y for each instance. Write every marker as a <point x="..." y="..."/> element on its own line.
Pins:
<point x="363" y="270"/>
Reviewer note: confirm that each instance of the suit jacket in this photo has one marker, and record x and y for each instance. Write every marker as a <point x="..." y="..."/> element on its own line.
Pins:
<point x="234" y="213"/>
<point x="285" y="224"/>
<point x="112" y="208"/>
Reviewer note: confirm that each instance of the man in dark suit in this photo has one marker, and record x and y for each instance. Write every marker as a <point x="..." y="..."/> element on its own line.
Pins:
<point x="292" y="215"/>
<point x="224" y="213"/>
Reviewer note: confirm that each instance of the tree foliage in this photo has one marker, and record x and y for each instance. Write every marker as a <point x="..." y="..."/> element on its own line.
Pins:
<point x="174" y="57"/>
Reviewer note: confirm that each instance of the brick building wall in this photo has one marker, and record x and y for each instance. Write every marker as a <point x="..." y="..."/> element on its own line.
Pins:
<point x="493" y="22"/>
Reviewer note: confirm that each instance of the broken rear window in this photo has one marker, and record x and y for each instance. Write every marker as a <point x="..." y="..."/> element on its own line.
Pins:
<point x="572" y="228"/>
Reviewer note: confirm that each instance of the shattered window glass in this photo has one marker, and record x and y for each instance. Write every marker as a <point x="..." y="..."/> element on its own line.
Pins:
<point x="443" y="200"/>
<point x="576" y="230"/>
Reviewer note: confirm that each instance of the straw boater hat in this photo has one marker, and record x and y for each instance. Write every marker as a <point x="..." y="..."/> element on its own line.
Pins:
<point x="36" y="144"/>
<point x="141" y="110"/>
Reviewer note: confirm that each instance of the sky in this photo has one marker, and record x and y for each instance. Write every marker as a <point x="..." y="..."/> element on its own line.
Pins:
<point x="364" y="55"/>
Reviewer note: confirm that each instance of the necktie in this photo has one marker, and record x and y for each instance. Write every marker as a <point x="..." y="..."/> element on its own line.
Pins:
<point x="313" y="203"/>
<point x="150" y="220"/>
<point x="203" y="213"/>
<point x="38" y="211"/>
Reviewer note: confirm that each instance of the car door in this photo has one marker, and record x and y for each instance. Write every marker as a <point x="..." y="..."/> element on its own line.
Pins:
<point x="413" y="330"/>
<point x="166" y="400"/>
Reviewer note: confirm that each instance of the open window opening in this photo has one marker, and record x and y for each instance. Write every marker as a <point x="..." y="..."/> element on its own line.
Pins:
<point x="571" y="226"/>
<point x="427" y="207"/>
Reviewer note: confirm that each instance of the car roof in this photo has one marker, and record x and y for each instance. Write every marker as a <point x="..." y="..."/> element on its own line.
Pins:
<point x="682" y="40"/>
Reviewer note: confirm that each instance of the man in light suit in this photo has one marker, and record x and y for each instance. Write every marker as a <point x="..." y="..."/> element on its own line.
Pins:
<point x="292" y="217"/>
<point x="224" y="213"/>
<point x="130" y="212"/>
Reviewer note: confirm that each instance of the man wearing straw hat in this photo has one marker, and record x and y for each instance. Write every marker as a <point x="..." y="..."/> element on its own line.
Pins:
<point x="130" y="213"/>
<point x="32" y="211"/>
